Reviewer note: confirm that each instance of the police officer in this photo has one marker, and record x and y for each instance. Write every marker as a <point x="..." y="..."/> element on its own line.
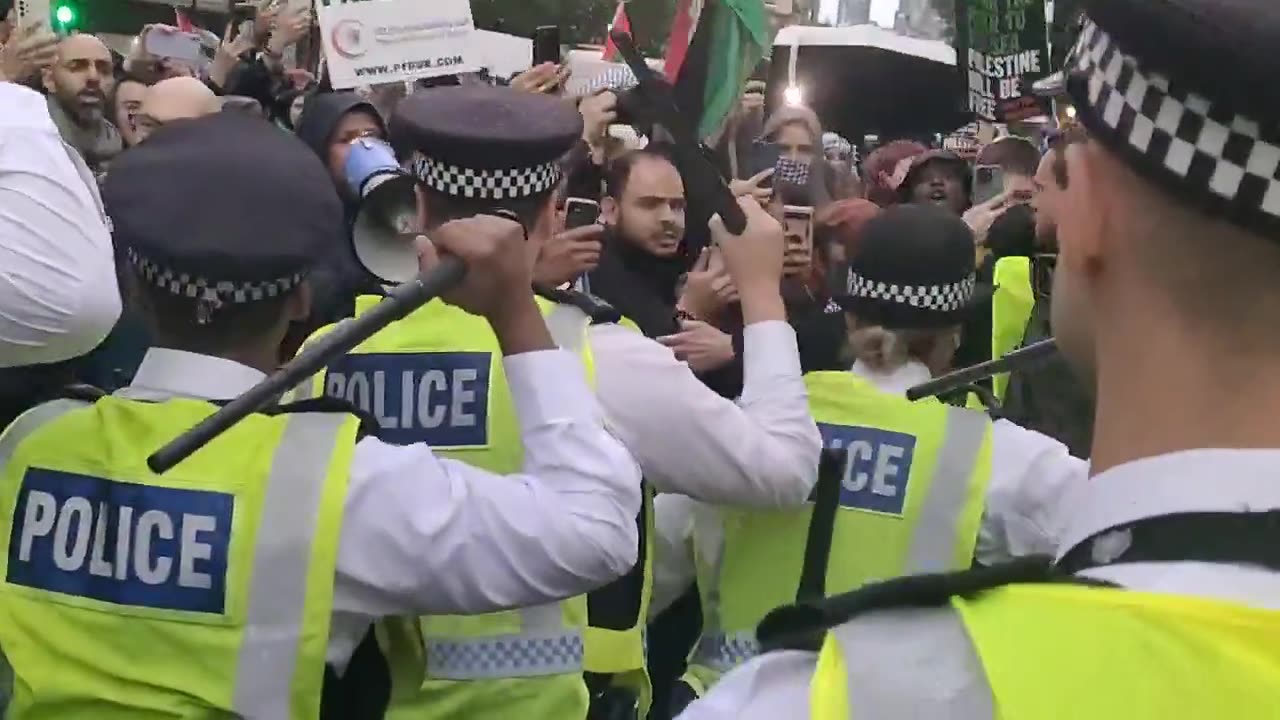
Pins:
<point x="1167" y="600"/>
<point x="482" y="147"/>
<point x="225" y="586"/>
<point x="920" y="487"/>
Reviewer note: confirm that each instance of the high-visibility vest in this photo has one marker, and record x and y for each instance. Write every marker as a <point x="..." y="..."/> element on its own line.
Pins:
<point x="437" y="377"/>
<point x="203" y="592"/>
<point x="1010" y="312"/>
<point x="911" y="500"/>
<point x="1072" y="652"/>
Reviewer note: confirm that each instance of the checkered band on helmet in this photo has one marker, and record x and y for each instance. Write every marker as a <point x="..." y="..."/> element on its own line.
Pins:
<point x="941" y="298"/>
<point x="512" y="184"/>
<point x="1204" y="146"/>
<point x="199" y="288"/>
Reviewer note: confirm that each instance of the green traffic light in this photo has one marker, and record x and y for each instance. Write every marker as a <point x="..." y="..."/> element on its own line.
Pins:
<point x="64" y="15"/>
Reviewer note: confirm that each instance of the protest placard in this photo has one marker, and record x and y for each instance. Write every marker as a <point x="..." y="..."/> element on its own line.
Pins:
<point x="371" y="42"/>
<point x="1007" y="50"/>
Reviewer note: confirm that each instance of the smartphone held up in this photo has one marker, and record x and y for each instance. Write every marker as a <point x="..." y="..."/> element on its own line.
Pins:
<point x="580" y="212"/>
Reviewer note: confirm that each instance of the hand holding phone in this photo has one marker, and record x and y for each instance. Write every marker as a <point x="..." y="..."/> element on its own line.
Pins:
<point x="798" y="226"/>
<point x="764" y="156"/>
<point x="580" y="212"/>
<point x="568" y="256"/>
<point x="170" y="44"/>
<point x="546" y="45"/>
<point x="988" y="183"/>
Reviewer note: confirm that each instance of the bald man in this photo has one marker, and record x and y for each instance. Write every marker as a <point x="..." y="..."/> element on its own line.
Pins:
<point x="78" y="84"/>
<point x="180" y="98"/>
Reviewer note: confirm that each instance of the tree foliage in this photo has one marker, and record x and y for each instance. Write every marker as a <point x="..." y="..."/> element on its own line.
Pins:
<point x="580" y="21"/>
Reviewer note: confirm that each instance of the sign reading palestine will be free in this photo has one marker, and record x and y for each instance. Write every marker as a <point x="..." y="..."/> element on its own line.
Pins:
<point x="1008" y="51"/>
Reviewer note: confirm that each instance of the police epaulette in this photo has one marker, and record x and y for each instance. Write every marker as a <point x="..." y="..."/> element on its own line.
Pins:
<point x="803" y="626"/>
<point x="598" y="309"/>
<point x="368" y="423"/>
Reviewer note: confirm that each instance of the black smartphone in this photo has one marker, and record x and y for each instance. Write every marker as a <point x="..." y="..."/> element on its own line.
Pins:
<point x="580" y="212"/>
<point x="764" y="156"/>
<point x="546" y="45"/>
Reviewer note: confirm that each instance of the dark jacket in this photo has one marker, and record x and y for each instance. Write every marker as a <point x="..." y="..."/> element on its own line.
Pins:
<point x="339" y="277"/>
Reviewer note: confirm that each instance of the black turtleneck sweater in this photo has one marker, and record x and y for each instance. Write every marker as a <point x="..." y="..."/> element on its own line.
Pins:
<point x="643" y="288"/>
<point x="640" y="286"/>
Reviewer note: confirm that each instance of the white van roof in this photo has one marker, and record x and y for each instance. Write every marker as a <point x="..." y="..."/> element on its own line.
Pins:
<point x="870" y="36"/>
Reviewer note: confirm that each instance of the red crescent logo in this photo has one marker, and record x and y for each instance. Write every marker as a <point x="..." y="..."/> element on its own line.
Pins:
<point x="348" y="39"/>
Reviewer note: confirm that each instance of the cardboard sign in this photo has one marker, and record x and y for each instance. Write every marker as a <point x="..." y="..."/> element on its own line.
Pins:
<point x="371" y="42"/>
<point x="1007" y="50"/>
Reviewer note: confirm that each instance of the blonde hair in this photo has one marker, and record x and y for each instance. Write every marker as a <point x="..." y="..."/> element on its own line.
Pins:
<point x="885" y="350"/>
<point x="794" y="115"/>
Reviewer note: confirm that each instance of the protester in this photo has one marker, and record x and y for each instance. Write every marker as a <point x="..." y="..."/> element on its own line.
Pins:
<point x="941" y="178"/>
<point x="126" y="102"/>
<point x="78" y="84"/>
<point x="328" y="124"/>
<point x="797" y="131"/>
<point x="180" y="98"/>
<point x="1018" y="158"/>
<point x="644" y="213"/>
<point x="884" y="171"/>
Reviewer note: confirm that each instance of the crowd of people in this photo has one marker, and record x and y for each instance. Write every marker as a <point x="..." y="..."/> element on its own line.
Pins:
<point x="637" y="464"/>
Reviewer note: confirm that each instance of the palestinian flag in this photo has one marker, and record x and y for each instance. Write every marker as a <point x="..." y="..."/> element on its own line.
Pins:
<point x="726" y="40"/>
<point x="620" y="22"/>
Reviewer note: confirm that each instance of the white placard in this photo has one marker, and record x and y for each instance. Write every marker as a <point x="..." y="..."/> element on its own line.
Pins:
<point x="371" y="42"/>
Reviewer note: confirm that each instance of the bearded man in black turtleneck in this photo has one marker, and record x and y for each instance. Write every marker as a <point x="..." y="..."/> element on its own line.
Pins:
<point x="644" y="254"/>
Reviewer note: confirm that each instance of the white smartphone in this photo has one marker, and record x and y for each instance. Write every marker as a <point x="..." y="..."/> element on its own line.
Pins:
<point x="34" y="11"/>
<point x="799" y="223"/>
<point x="988" y="182"/>
<point x="184" y="47"/>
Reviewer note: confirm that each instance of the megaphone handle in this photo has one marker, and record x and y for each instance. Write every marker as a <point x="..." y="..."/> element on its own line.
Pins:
<point x="401" y="301"/>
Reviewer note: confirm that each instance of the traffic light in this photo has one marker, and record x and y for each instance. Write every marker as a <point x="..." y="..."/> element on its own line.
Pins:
<point x="66" y="16"/>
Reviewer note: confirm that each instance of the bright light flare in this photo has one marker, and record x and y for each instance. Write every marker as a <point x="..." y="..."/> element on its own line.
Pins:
<point x="794" y="95"/>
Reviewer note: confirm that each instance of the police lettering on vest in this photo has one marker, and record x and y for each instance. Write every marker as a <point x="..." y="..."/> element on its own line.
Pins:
<point x="121" y="543"/>
<point x="877" y="466"/>
<point x="438" y="398"/>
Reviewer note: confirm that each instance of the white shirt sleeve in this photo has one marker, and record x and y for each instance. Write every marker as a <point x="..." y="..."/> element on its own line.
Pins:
<point x="1032" y="476"/>
<point x="761" y="452"/>
<point x="674" y="570"/>
<point x="425" y="535"/>
<point x="766" y="687"/>
<point x="58" y="292"/>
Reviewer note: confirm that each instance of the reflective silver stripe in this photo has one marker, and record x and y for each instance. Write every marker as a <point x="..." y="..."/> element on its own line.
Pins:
<point x="544" y="646"/>
<point x="713" y="650"/>
<point x="528" y="654"/>
<point x="29" y="422"/>
<point x="568" y="327"/>
<point x="914" y="664"/>
<point x="933" y="543"/>
<point x="281" y="562"/>
<point x="723" y="652"/>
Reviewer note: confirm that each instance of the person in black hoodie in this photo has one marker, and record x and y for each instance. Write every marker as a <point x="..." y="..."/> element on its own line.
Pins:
<point x="328" y="124"/>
